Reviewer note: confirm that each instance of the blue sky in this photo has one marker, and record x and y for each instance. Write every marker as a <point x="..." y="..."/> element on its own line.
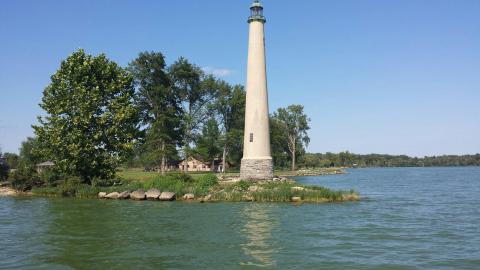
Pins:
<point x="375" y="76"/>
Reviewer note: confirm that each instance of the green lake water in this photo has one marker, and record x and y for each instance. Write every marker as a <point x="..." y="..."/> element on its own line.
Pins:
<point x="415" y="218"/>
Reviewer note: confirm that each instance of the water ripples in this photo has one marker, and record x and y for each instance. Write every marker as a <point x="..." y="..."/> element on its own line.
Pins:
<point x="424" y="218"/>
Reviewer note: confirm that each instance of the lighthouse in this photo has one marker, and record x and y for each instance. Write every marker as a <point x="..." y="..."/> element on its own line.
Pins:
<point x="257" y="161"/>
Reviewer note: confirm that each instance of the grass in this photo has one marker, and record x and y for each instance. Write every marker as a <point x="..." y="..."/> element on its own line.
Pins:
<point x="281" y="192"/>
<point x="138" y="174"/>
<point x="175" y="182"/>
<point x="202" y="184"/>
<point x="311" y="171"/>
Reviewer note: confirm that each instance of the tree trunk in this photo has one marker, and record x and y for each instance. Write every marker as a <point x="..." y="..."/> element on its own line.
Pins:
<point x="212" y="168"/>
<point x="162" y="166"/>
<point x="185" y="162"/>
<point x="224" y="157"/>
<point x="293" y="155"/>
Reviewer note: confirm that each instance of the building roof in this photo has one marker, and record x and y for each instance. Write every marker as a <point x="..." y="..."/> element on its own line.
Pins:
<point x="45" y="164"/>
<point x="256" y="3"/>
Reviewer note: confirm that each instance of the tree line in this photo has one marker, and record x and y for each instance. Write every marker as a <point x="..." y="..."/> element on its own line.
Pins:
<point x="99" y="116"/>
<point x="347" y="159"/>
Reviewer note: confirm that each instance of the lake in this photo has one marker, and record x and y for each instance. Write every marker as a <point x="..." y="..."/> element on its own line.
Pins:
<point x="414" y="218"/>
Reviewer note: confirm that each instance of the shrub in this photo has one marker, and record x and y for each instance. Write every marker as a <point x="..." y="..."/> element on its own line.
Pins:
<point x="70" y="185"/>
<point x="86" y="191"/>
<point x="24" y="179"/>
<point x="3" y="168"/>
<point x="51" y="176"/>
<point x="167" y="183"/>
<point x="99" y="182"/>
<point x="183" y="177"/>
<point x="242" y="185"/>
<point x="204" y="183"/>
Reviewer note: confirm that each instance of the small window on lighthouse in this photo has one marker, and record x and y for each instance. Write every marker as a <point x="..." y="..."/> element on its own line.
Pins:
<point x="251" y="137"/>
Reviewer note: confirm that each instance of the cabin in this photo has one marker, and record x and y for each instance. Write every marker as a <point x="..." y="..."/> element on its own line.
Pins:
<point x="41" y="167"/>
<point x="196" y="165"/>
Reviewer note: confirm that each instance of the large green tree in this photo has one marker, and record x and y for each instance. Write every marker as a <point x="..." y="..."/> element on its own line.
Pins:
<point x="91" y="121"/>
<point x="30" y="153"/>
<point x="12" y="160"/>
<point x="197" y="92"/>
<point x="278" y="143"/>
<point x="230" y="109"/>
<point x="4" y="168"/>
<point x="208" y="144"/>
<point x="295" y="123"/>
<point x="160" y="104"/>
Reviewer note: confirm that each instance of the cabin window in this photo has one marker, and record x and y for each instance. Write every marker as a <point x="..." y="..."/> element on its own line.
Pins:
<point x="251" y="137"/>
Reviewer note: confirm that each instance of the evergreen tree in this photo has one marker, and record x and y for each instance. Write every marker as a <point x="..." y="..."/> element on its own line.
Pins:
<point x="208" y="145"/>
<point x="197" y="92"/>
<point x="160" y="106"/>
<point x="230" y="108"/>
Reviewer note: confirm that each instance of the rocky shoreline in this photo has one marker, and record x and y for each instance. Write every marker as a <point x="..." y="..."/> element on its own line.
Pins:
<point x="314" y="172"/>
<point x="252" y="193"/>
<point x="280" y="189"/>
<point x="152" y="194"/>
<point x="8" y="192"/>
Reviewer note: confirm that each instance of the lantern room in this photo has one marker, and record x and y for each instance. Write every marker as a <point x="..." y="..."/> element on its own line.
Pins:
<point x="256" y="12"/>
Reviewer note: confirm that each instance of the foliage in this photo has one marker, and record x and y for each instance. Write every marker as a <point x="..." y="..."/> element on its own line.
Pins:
<point x="295" y="125"/>
<point x="30" y="153"/>
<point x="282" y="192"/>
<point x="51" y="176"/>
<point x="4" y="168"/>
<point x="229" y="106"/>
<point x="208" y="146"/>
<point x="24" y="179"/>
<point x="197" y="92"/>
<point x="160" y="106"/>
<point x="11" y="159"/>
<point x="203" y="184"/>
<point x="278" y="143"/>
<point x="99" y="182"/>
<point x="241" y="185"/>
<point x="69" y="187"/>
<point x="91" y="121"/>
<point x="347" y="159"/>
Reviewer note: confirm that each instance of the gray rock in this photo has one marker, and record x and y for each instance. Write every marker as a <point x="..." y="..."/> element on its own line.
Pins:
<point x="124" y="195"/>
<point x="189" y="196"/>
<point x="255" y="188"/>
<point x="247" y="198"/>
<point x="101" y="195"/>
<point x="298" y="188"/>
<point x="152" y="194"/>
<point x="113" y="195"/>
<point x="206" y="198"/>
<point x="138" y="194"/>
<point x="296" y="199"/>
<point x="167" y="196"/>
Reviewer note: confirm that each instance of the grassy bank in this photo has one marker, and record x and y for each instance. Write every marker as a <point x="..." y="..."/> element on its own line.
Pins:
<point x="311" y="172"/>
<point x="207" y="186"/>
<point x="138" y="174"/>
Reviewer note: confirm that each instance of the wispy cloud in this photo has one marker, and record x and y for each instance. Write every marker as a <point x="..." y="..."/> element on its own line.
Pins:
<point x="219" y="72"/>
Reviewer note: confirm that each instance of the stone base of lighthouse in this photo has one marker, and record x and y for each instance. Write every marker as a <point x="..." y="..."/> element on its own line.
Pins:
<point x="256" y="169"/>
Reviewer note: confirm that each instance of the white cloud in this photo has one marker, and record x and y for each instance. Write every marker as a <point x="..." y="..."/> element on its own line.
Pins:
<point x="219" y="72"/>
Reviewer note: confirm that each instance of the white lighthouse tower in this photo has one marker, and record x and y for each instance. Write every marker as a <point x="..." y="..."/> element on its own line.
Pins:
<point x="257" y="160"/>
